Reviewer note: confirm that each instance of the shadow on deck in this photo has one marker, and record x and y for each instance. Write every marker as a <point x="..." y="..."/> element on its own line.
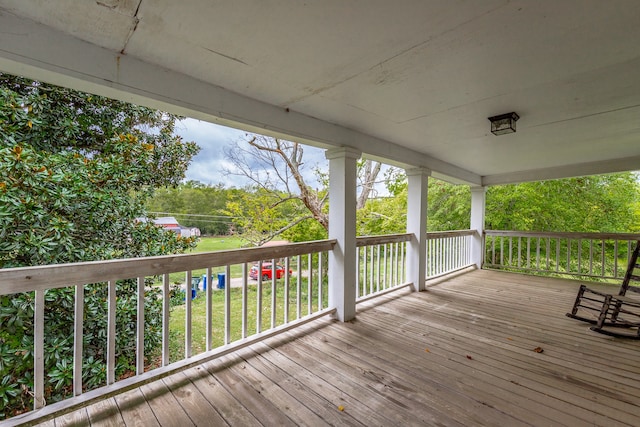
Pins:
<point x="461" y="353"/>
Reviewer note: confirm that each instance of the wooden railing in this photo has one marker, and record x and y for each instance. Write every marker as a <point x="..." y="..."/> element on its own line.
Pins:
<point x="288" y="289"/>
<point x="380" y="264"/>
<point x="584" y="255"/>
<point x="448" y="251"/>
<point x="381" y="260"/>
<point x="241" y="313"/>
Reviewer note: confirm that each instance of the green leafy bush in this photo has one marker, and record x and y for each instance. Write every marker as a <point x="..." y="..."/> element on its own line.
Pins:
<point x="76" y="171"/>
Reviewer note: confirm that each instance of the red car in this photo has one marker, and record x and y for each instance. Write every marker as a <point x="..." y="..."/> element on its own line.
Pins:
<point x="267" y="271"/>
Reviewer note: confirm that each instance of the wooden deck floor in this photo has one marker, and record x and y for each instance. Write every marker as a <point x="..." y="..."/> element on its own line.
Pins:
<point x="461" y="353"/>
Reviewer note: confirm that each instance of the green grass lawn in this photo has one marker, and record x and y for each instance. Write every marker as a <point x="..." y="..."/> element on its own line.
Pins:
<point x="198" y="314"/>
<point x="208" y="244"/>
<point x="177" y="316"/>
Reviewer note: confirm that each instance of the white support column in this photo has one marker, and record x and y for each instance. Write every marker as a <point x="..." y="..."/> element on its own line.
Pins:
<point x="478" y="200"/>
<point x="417" y="180"/>
<point x="342" y="227"/>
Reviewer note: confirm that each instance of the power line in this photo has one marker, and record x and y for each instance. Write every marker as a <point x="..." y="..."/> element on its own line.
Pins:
<point x="200" y="221"/>
<point x="196" y="215"/>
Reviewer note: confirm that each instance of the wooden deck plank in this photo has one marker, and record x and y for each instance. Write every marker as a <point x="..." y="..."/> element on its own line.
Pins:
<point x="231" y="410"/>
<point x="487" y="352"/>
<point x="460" y="353"/>
<point x="410" y="371"/>
<point x="533" y="337"/>
<point x="74" y="419"/>
<point x="199" y="409"/>
<point x="329" y="385"/>
<point x="527" y="312"/>
<point x="566" y="335"/>
<point x="299" y="413"/>
<point x="506" y="362"/>
<point x="165" y="406"/>
<point x="303" y="394"/>
<point x="411" y="383"/>
<point x="262" y="408"/>
<point x="105" y="414"/>
<point x="135" y="410"/>
<point x="566" y="345"/>
<point x="455" y="371"/>
<point x="364" y="387"/>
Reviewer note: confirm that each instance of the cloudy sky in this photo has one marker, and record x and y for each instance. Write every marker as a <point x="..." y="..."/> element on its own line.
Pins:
<point x="207" y="166"/>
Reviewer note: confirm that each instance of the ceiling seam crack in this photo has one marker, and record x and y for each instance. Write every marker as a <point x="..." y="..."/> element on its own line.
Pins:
<point x="136" y="21"/>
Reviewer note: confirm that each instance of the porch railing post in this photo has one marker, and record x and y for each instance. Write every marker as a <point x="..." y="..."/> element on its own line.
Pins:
<point x="478" y="201"/>
<point x="342" y="227"/>
<point x="417" y="180"/>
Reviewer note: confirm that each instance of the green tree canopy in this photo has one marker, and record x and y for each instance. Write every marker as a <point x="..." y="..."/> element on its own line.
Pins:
<point x="75" y="172"/>
<point x="262" y="215"/>
<point x="195" y="204"/>
<point x="279" y="201"/>
<point x="598" y="203"/>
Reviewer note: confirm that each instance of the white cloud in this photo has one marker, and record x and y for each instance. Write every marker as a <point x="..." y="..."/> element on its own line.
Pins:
<point x="207" y="167"/>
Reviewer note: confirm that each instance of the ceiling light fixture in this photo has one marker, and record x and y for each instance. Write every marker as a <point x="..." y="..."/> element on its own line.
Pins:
<point x="504" y="123"/>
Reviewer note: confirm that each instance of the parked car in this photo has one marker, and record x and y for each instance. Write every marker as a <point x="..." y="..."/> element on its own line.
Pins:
<point x="267" y="271"/>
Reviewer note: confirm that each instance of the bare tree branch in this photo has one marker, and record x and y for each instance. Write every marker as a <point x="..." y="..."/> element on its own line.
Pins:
<point x="261" y="239"/>
<point x="273" y="165"/>
<point x="371" y="170"/>
<point x="291" y="154"/>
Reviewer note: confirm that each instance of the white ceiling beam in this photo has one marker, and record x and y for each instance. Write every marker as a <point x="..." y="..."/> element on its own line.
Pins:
<point x="39" y="52"/>
<point x="558" y="172"/>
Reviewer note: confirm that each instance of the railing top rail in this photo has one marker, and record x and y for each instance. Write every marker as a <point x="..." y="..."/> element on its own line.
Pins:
<point x="379" y="240"/>
<point x="25" y="279"/>
<point x="440" y="234"/>
<point x="405" y="237"/>
<point x="568" y="235"/>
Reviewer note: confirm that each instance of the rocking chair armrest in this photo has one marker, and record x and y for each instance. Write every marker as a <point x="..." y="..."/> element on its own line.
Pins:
<point x="602" y="294"/>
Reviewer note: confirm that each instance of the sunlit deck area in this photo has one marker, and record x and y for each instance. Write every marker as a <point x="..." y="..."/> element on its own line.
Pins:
<point x="461" y="353"/>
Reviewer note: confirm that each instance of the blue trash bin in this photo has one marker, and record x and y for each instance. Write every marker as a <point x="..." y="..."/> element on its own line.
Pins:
<point x="194" y="294"/>
<point x="220" y="280"/>
<point x="194" y="287"/>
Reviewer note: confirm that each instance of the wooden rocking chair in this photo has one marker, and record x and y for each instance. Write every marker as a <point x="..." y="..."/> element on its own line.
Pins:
<point x="610" y="313"/>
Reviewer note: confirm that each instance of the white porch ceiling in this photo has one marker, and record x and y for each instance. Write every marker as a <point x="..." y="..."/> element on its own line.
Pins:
<point x="408" y="81"/>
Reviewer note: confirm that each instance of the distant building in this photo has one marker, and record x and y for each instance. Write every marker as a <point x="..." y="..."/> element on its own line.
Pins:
<point x="170" y="223"/>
